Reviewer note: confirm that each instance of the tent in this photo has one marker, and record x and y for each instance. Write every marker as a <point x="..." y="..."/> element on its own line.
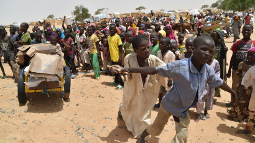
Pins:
<point x="101" y="16"/>
<point x="194" y="12"/>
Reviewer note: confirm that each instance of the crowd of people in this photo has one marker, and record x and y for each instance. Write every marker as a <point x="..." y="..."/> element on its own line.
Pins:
<point x="149" y="61"/>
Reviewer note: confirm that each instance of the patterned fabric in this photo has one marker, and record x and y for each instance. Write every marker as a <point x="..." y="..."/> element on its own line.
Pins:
<point x="251" y="121"/>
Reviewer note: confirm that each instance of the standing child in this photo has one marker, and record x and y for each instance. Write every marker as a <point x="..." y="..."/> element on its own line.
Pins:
<point x="68" y="47"/>
<point x="189" y="48"/>
<point x="166" y="56"/>
<point x="189" y="79"/>
<point x="115" y="48"/>
<point x="239" y="49"/>
<point x="93" y="45"/>
<point x="8" y="49"/>
<point x="106" y="54"/>
<point x="208" y="93"/>
<point x="181" y="44"/>
<point x="25" y="38"/>
<point x="155" y="45"/>
<point x="240" y="111"/>
<point x="38" y="38"/>
<point x="123" y="40"/>
<point x="248" y="82"/>
<point x="174" y="49"/>
<point x="128" y="48"/>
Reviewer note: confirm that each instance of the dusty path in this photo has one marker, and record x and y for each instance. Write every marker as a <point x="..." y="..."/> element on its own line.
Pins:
<point x="91" y="116"/>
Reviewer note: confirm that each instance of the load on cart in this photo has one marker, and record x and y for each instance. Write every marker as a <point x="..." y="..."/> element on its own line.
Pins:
<point x="41" y="68"/>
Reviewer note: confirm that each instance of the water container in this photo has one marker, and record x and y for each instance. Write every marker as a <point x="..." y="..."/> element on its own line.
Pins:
<point x="68" y="20"/>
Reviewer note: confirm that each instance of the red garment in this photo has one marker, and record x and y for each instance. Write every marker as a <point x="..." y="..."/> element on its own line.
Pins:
<point x="199" y="24"/>
<point x="133" y="29"/>
<point x="141" y="31"/>
<point x="248" y="19"/>
<point x="69" y="42"/>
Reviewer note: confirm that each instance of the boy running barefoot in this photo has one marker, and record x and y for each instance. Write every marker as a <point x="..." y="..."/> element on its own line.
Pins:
<point x="189" y="77"/>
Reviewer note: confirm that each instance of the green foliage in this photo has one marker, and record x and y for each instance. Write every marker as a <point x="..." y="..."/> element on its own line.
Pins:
<point x="140" y="8"/>
<point x="99" y="11"/>
<point x="235" y="5"/>
<point x="205" y="6"/>
<point x="51" y="16"/>
<point x="80" y="12"/>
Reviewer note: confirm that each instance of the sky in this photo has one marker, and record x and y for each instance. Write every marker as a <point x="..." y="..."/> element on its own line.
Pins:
<point x="33" y="10"/>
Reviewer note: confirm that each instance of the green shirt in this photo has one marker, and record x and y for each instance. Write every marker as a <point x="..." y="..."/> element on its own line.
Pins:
<point x="26" y="38"/>
<point x="128" y="47"/>
<point x="154" y="50"/>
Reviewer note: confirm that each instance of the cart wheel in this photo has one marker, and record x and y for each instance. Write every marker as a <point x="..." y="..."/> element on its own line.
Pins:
<point x="67" y="85"/>
<point x="21" y="88"/>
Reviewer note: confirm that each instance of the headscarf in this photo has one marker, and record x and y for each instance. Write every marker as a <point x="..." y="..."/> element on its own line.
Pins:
<point x="141" y="31"/>
<point x="62" y="33"/>
<point x="143" y="27"/>
<point x="171" y="35"/>
<point x="236" y="18"/>
<point x="133" y="29"/>
<point x="105" y="29"/>
<point x="52" y="33"/>
<point x="221" y="35"/>
<point x="252" y="49"/>
<point x="162" y="32"/>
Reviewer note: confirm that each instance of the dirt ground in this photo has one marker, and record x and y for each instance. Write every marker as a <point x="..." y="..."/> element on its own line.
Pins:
<point x="91" y="115"/>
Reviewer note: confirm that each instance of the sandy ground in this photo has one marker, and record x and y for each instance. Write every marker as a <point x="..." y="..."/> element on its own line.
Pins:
<point x="91" y="116"/>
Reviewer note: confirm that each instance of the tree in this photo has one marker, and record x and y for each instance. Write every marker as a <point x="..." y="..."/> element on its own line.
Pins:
<point x="235" y="5"/>
<point x="140" y="8"/>
<point x="80" y="12"/>
<point x="99" y="11"/>
<point x="205" y="6"/>
<point x="51" y="16"/>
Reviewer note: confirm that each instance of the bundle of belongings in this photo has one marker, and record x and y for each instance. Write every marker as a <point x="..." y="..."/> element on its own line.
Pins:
<point x="43" y="64"/>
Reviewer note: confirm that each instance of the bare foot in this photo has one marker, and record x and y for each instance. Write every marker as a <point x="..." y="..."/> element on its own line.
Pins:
<point x="140" y="140"/>
<point x="199" y="116"/>
<point x="244" y="132"/>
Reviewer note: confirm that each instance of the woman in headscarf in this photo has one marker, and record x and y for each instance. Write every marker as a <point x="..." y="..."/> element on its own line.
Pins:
<point x="170" y="32"/>
<point x="220" y="54"/>
<point x="49" y="33"/>
<point x="161" y="34"/>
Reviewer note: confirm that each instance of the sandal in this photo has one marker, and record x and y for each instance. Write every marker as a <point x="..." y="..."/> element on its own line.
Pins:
<point x="156" y="106"/>
<point x="229" y="104"/>
<point x="119" y="87"/>
<point x="3" y="77"/>
<point x="202" y="117"/>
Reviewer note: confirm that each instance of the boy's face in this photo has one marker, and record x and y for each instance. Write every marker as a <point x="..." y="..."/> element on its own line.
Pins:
<point x="48" y="24"/>
<point x="247" y="30"/>
<point x="117" y="22"/>
<point x="163" y="44"/>
<point x="143" y="50"/>
<point x="22" y="28"/>
<point x="189" y="46"/>
<point x="204" y="51"/>
<point x="157" y="26"/>
<point x="122" y="36"/>
<point x="53" y="41"/>
<point x="66" y="33"/>
<point x="141" y="27"/>
<point x="181" y="38"/>
<point x="159" y="36"/>
<point x="251" y="56"/>
<point x="90" y="31"/>
<point x="69" y="27"/>
<point x="103" y="25"/>
<point x="105" y="42"/>
<point x="215" y="37"/>
<point x="129" y="37"/>
<point x="154" y="38"/>
<point x="112" y="30"/>
<point x="81" y="30"/>
<point x="174" y="47"/>
<point x="19" y="31"/>
<point x="38" y="38"/>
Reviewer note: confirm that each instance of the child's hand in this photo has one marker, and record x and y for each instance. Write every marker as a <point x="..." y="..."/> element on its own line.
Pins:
<point x="115" y="68"/>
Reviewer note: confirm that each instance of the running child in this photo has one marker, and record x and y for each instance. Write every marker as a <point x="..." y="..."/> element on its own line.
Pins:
<point x="187" y="89"/>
